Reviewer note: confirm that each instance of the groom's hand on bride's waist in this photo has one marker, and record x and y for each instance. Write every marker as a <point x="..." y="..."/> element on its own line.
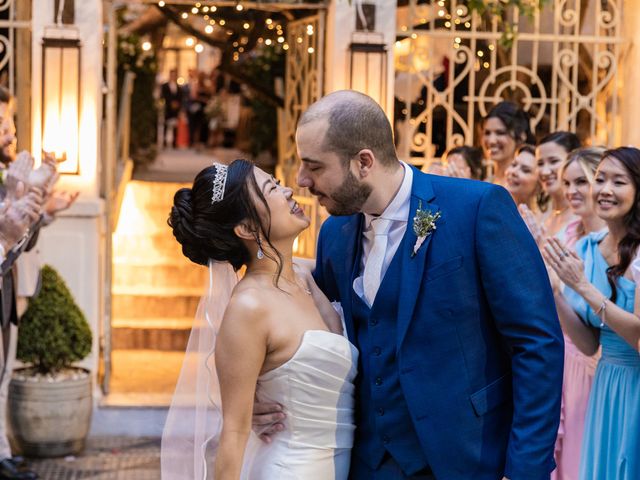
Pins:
<point x="267" y="420"/>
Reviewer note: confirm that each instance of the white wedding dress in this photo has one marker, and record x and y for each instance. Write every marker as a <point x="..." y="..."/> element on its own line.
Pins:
<point x="315" y="388"/>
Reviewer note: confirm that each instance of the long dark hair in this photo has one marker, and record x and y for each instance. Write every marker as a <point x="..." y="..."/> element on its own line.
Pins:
<point x="473" y="157"/>
<point x="567" y="140"/>
<point x="515" y="120"/>
<point x="629" y="157"/>
<point x="206" y="229"/>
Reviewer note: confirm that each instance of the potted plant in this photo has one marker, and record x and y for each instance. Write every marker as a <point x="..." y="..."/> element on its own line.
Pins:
<point x="50" y="401"/>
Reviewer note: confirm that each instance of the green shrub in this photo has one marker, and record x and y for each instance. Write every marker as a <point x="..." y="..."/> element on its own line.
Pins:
<point x="53" y="331"/>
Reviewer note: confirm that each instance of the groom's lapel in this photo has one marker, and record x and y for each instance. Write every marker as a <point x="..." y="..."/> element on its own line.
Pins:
<point x="413" y="267"/>
<point x="351" y="236"/>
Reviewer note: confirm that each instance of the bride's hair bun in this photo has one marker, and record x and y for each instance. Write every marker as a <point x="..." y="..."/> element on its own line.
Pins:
<point x="205" y="230"/>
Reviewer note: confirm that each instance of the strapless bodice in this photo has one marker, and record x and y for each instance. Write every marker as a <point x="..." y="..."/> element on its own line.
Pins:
<point x="315" y="388"/>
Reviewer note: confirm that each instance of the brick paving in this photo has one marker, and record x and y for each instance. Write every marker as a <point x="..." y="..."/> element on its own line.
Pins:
<point x="106" y="458"/>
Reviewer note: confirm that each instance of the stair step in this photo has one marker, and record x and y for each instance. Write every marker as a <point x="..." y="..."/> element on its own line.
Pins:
<point x="166" y="334"/>
<point x="139" y="305"/>
<point x="187" y="275"/>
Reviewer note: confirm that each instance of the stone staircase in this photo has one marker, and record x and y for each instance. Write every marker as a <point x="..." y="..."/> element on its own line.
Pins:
<point x="155" y="289"/>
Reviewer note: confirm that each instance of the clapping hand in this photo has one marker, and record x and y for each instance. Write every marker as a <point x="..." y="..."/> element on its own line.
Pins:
<point x="59" y="201"/>
<point x="45" y="175"/>
<point x="565" y="263"/>
<point x="538" y="232"/>
<point x="16" y="217"/>
<point x="17" y="179"/>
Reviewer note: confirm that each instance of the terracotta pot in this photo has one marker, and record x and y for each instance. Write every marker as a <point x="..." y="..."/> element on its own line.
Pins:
<point x="49" y="417"/>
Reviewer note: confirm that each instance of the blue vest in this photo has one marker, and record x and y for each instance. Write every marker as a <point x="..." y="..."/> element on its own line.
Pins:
<point x="384" y="422"/>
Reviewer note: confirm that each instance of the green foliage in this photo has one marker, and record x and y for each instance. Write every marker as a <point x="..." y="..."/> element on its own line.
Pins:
<point x="53" y="331"/>
<point x="144" y="111"/>
<point x="498" y="9"/>
<point x="263" y="65"/>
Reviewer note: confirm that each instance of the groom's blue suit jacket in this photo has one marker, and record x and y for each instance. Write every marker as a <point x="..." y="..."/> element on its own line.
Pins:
<point x="478" y="346"/>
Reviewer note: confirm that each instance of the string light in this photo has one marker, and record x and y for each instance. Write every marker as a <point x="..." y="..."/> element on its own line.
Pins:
<point x="467" y="24"/>
<point x="241" y="49"/>
<point x="205" y="9"/>
<point x="212" y="22"/>
<point x="459" y="11"/>
<point x="491" y="47"/>
<point x="280" y="39"/>
<point x="299" y="39"/>
<point x="457" y="40"/>
<point x="246" y="26"/>
<point x="199" y="48"/>
<point x="267" y="42"/>
<point x="310" y="50"/>
<point x="268" y="21"/>
<point x="485" y="64"/>
<point x="447" y="24"/>
<point x="194" y="10"/>
<point x="285" y="47"/>
<point x="239" y="7"/>
<point x="441" y="13"/>
<point x="235" y="44"/>
<point x="480" y="53"/>
<point x="185" y="15"/>
<point x="189" y="42"/>
<point x="198" y="4"/>
<point x="146" y="46"/>
<point x="208" y="29"/>
<point x="414" y="35"/>
<point x="213" y="8"/>
<point x="222" y="22"/>
<point x="161" y="3"/>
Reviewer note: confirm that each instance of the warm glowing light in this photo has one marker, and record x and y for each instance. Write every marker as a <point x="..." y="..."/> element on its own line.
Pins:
<point x="480" y="53"/>
<point x="205" y="9"/>
<point x="198" y="4"/>
<point x="447" y="24"/>
<point x="404" y="28"/>
<point x="441" y="13"/>
<point x="398" y="43"/>
<point x="146" y="46"/>
<point x="285" y="47"/>
<point x="246" y="26"/>
<point x="491" y="47"/>
<point x="239" y="7"/>
<point x="280" y="39"/>
<point x="459" y="11"/>
<point x="268" y="21"/>
<point x="267" y="41"/>
<point x="485" y="64"/>
<point x="467" y="24"/>
<point x="222" y="22"/>
<point x="208" y="29"/>
<point x="180" y="81"/>
<point x="414" y="35"/>
<point x="271" y="26"/>
<point x="185" y="15"/>
<point x="189" y="42"/>
<point x="213" y="8"/>
<point x="235" y="44"/>
<point x="241" y="49"/>
<point x="194" y="10"/>
<point x="212" y="22"/>
<point x="310" y="50"/>
<point x="457" y="40"/>
<point x="199" y="48"/>
<point x="299" y="39"/>
<point x="161" y="3"/>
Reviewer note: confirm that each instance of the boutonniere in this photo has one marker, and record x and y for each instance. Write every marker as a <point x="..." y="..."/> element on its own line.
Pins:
<point x="424" y="223"/>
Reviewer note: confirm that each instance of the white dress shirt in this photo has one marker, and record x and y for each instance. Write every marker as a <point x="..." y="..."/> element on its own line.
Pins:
<point x="398" y="212"/>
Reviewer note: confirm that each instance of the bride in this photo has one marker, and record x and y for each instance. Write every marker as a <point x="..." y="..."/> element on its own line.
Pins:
<point x="273" y="337"/>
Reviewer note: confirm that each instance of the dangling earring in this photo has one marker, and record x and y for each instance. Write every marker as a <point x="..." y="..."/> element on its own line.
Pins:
<point x="260" y="254"/>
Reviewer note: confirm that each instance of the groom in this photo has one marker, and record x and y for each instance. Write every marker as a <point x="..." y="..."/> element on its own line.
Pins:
<point x="461" y="353"/>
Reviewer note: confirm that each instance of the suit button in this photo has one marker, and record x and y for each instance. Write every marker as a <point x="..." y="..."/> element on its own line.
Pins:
<point x="378" y="381"/>
<point x="385" y="439"/>
<point x="373" y="322"/>
<point x="377" y="351"/>
<point x="381" y="411"/>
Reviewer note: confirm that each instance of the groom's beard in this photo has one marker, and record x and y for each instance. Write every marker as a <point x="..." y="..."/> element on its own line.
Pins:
<point x="349" y="197"/>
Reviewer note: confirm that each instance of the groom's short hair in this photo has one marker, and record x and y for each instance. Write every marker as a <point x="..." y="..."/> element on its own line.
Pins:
<point x="356" y="122"/>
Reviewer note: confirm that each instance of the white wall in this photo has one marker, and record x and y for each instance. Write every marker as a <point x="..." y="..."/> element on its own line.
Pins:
<point x="341" y="22"/>
<point x="74" y="243"/>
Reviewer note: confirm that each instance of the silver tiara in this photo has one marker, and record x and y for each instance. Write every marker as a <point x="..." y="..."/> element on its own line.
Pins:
<point x="219" y="182"/>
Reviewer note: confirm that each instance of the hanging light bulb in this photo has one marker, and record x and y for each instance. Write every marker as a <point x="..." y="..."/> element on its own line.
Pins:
<point x="239" y="7"/>
<point x="161" y="3"/>
<point x="208" y="29"/>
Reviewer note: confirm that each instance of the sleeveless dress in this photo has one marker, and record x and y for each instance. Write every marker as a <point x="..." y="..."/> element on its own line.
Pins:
<point x="579" y="370"/>
<point x="315" y="388"/>
<point x="611" y="444"/>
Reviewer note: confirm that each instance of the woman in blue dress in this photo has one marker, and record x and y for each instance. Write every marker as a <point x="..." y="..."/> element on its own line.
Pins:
<point x="597" y="309"/>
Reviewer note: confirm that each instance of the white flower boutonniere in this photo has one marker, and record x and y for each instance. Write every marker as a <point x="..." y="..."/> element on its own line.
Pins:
<point x="424" y="223"/>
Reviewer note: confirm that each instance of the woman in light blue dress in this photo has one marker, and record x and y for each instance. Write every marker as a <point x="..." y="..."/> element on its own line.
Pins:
<point x="597" y="308"/>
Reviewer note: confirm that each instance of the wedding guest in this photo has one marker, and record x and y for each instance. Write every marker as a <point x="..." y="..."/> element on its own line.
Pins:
<point x="172" y="94"/>
<point x="552" y="152"/>
<point x="577" y="175"/>
<point x="504" y="129"/>
<point x="464" y="162"/>
<point x="522" y="180"/>
<point x="596" y="309"/>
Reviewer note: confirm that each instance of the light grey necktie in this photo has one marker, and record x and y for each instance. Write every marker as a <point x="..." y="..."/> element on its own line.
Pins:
<point x="372" y="275"/>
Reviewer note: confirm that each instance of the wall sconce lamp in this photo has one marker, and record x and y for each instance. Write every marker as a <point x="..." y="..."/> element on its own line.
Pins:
<point x="61" y="96"/>
<point x="368" y="65"/>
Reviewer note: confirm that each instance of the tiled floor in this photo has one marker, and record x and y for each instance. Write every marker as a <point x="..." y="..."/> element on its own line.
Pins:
<point x="108" y="458"/>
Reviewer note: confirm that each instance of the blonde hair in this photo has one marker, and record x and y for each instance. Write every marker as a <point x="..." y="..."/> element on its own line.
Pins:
<point x="587" y="157"/>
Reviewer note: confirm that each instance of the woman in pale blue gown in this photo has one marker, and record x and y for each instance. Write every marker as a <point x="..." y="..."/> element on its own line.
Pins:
<point x="597" y="308"/>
